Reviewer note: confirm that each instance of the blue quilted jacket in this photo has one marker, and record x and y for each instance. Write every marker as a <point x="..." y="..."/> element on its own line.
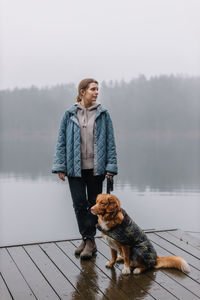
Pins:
<point x="67" y="158"/>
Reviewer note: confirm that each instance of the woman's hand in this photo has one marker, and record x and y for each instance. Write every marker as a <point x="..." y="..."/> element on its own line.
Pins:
<point x="108" y="175"/>
<point x="61" y="175"/>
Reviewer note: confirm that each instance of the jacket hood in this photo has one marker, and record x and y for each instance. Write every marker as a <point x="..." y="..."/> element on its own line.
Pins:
<point x="94" y="106"/>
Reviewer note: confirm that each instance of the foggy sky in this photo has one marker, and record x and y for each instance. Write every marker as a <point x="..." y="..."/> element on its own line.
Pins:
<point x="59" y="41"/>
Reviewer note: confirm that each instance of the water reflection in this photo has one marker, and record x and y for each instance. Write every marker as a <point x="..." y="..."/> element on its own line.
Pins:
<point x="46" y="208"/>
<point x="113" y="285"/>
<point x="87" y="281"/>
<point x="154" y="173"/>
<point x="159" y="162"/>
<point x="133" y="286"/>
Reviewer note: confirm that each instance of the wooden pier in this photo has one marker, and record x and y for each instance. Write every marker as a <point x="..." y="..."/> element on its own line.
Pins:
<point x="51" y="271"/>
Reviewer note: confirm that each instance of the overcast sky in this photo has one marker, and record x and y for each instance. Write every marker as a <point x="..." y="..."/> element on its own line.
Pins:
<point x="46" y="42"/>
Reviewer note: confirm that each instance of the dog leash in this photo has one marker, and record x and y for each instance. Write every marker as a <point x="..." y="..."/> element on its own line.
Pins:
<point x="110" y="182"/>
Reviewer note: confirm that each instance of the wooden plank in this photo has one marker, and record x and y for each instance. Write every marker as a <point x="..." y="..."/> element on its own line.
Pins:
<point x="109" y="286"/>
<point x="190" y="289"/>
<point x="17" y="285"/>
<point x="115" y="280"/>
<point x="85" y="281"/>
<point x="180" y="244"/>
<point x="194" y="274"/>
<point x="4" y="292"/>
<point x="147" y="282"/>
<point x="59" y="283"/>
<point x="36" y="281"/>
<point x="187" y="238"/>
<point x="173" y="286"/>
<point x="195" y="262"/>
<point x="92" y="274"/>
<point x="186" y="280"/>
<point x="93" y="280"/>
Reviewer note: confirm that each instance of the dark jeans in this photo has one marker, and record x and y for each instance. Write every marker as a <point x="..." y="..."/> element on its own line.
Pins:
<point x="84" y="191"/>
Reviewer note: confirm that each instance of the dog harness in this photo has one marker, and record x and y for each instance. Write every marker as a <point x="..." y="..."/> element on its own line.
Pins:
<point x="129" y="233"/>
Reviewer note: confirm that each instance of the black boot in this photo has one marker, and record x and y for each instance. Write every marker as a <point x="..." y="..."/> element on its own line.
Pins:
<point x="89" y="250"/>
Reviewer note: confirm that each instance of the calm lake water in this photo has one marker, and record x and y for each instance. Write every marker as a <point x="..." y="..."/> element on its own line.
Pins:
<point x="41" y="209"/>
<point x="158" y="184"/>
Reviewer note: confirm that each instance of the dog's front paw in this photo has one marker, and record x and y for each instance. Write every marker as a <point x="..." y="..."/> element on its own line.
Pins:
<point x="119" y="259"/>
<point x="109" y="264"/>
<point x="137" y="271"/>
<point x="126" y="271"/>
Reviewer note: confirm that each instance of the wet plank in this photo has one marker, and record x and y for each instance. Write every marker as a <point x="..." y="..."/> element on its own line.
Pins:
<point x="93" y="275"/>
<point x="84" y="282"/>
<point x="117" y="281"/>
<point x="193" y="261"/>
<point x="4" y="292"/>
<point x="188" y="281"/>
<point x="35" y="279"/>
<point x="114" y="285"/>
<point x="52" y="271"/>
<point x="187" y="238"/>
<point x="59" y="283"/>
<point x="147" y="282"/>
<point x="18" y="286"/>
<point x="170" y="283"/>
<point x="166" y="249"/>
<point x="180" y="244"/>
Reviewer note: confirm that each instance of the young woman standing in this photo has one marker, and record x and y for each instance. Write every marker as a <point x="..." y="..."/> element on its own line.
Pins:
<point x="86" y="154"/>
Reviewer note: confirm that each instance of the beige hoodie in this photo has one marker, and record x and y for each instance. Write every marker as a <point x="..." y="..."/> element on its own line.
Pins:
<point x="86" y="117"/>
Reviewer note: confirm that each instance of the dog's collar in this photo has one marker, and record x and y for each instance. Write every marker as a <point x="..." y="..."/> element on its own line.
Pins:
<point x="113" y="215"/>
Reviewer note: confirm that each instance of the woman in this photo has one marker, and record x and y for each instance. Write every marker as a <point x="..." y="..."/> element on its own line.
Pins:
<point x="85" y="153"/>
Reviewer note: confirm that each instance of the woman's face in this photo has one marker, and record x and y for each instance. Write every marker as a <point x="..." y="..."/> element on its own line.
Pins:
<point x="89" y="96"/>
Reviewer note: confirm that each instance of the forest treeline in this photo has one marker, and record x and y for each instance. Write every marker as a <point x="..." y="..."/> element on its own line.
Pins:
<point x="164" y="103"/>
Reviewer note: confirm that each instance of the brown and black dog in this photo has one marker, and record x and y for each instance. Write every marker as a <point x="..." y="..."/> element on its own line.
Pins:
<point x="132" y="244"/>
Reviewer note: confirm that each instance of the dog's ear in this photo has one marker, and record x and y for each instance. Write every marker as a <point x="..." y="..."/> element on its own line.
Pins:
<point x="113" y="198"/>
<point x="113" y="204"/>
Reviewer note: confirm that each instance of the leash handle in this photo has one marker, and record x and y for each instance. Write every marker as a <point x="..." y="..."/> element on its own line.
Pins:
<point x="110" y="182"/>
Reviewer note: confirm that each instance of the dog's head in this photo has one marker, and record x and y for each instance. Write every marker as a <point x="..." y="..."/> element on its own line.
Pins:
<point x="106" y="204"/>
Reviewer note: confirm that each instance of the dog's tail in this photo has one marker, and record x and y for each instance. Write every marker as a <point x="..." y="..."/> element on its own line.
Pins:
<point x="176" y="262"/>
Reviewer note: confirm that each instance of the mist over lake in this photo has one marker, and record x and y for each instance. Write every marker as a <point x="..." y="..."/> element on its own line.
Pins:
<point x="157" y="131"/>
